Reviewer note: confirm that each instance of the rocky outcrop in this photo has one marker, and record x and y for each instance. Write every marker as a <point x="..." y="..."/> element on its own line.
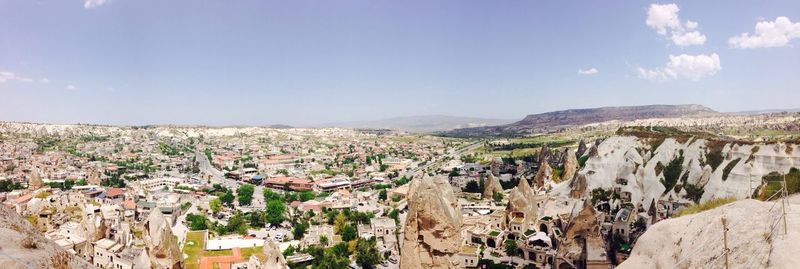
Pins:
<point x="544" y="175"/>
<point x="432" y="233"/>
<point x="491" y="185"/>
<point x="273" y="258"/>
<point x="581" y="149"/>
<point x="629" y="165"/>
<point x="696" y="241"/>
<point x="23" y="246"/>
<point x="585" y="224"/>
<point x="577" y="187"/>
<point x="160" y="244"/>
<point x="544" y="154"/>
<point x="523" y="199"/>
<point x="570" y="163"/>
<point x="35" y="180"/>
<point x="582" y="229"/>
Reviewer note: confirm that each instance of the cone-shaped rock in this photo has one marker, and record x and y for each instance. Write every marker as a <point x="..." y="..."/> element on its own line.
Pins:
<point x="491" y="185"/>
<point x="432" y="235"/>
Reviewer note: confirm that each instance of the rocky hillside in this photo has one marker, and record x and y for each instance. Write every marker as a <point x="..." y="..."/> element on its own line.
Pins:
<point x="681" y="168"/>
<point x="551" y="121"/>
<point x="29" y="248"/>
<point x="755" y="238"/>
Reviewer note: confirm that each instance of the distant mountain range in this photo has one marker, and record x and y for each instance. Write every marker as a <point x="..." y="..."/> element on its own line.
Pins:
<point x="552" y="121"/>
<point x="421" y="124"/>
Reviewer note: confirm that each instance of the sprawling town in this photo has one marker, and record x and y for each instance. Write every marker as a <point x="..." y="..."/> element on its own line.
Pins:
<point x="203" y="198"/>
<point x="363" y="134"/>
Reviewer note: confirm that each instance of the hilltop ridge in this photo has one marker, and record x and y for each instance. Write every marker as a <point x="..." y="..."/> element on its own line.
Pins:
<point x="555" y="120"/>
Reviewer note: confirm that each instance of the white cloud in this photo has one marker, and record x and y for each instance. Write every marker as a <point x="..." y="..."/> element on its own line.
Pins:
<point x="94" y="3"/>
<point x="6" y="76"/>
<point x="688" y="38"/>
<point x="590" y="71"/>
<point x="665" y="19"/>
<point x="70" y="87"/>
<point x="692" y="67"/>
<point x="44" y="80"/>
<point x="768" y="34"/>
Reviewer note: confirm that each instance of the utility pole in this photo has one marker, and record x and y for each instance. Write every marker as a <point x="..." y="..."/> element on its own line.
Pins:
<point x="783" y="207"/>
<point x="725" y="240"/>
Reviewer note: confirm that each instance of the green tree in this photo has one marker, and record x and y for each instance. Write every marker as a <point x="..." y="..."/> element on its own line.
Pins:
<point x="497" y="196"/>
<point x="300" y="230"/>
<point x="237" y="224"/>
<point x="339" y="223"/>
<point x="257" y="218"/>
<point x="307" y="195"/>
<point x="215" y="205"/>
<point x="270" y="195"/>
<point x="382" y="195"/>
<point x="331" y="261"/>
<point x="511" y="248"/>
<point x="275" y="212"/>
<point x="323" y="240"/>
<point x="341" y="250"/>
<point x="395" y="215"/>
<point x="367" y="254"/>
<point x="197" y="222"/>
<point x="227" y="198"/>
<point x="245" y="194"/>
<point x="472" y="186"/>
<point x="349" y="233"/>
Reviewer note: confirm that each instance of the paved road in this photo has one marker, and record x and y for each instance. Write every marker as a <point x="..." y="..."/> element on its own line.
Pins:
<point x="439" y="161"/>
<point x="218" y="178"/>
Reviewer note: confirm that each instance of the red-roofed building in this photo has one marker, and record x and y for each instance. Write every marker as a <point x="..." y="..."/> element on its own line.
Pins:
<point x="288" y="183"/>
<point x="24" y="199"/>
<point x="114" y="193"/>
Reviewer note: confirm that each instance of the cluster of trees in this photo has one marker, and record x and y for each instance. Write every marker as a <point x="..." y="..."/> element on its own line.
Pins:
<point x="344" y="222"/>
<point x="402" y="181"/>
<point x="8" y="185"/>
<point x="169" y="149"/>
<point x="338" y="256"/>
<point x="114" y="180"/>
<point x="475" y="186"/>
<point x="68" y="184"/>
<point x="288" y="197"/>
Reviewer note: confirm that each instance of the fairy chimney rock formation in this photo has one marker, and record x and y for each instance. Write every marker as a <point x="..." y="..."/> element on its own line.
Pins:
<point x="571" y="166"/>
<point x="491" y="185"/>
<point x="432" y="236"/>
<point x="544" y="175"/>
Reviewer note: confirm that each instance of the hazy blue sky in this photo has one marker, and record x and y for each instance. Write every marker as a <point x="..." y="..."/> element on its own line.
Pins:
<point x="304" y="62"/>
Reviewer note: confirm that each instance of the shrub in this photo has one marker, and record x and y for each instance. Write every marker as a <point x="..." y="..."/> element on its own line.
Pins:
<point x="672" y="172"/>
<point x="714" y="155"/>
<point x="693" y="192"/>
<point x="659" y="168"/>
<point x="28" y="243"/>
<point x="582" y="160"/>
<point x="774" y="183"/>
<point x="710" y="204"/>
<point x="727" y="170"/>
